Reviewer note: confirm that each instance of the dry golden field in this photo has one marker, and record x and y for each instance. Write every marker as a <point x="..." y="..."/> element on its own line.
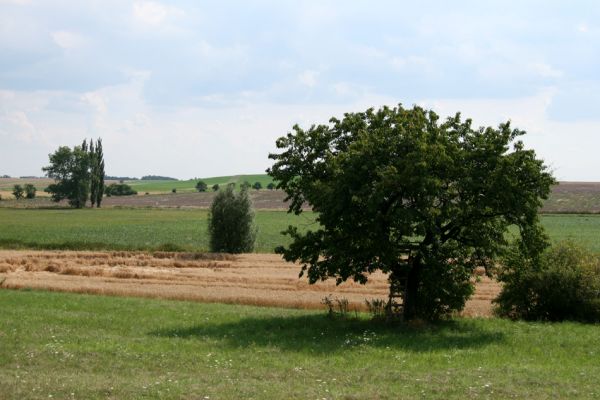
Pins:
<point x="256" y="279"/>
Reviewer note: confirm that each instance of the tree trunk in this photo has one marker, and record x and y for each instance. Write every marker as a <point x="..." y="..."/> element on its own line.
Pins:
<point x="411" y="290"/>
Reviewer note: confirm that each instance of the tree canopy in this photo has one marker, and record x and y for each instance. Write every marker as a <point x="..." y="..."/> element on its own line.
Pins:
<point x="424" y="201"/>
<point x="76" y="172"/>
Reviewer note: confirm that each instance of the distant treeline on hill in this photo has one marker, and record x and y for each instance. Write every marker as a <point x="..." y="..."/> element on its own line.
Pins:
<point x="143" y="178"/>
<point x="158" y="178"/>
<point x="119" y="178"/>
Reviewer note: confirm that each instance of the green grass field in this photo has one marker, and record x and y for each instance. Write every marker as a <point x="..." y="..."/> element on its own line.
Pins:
<point x="68" y="346"/>
<point x="190" y="185"/>
<point x="152" y="229"/>
<point x="128" y="229"/>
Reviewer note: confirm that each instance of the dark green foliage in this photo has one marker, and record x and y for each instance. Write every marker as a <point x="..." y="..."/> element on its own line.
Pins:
<point x="215" y="187"/>
<point x="70" y="170"/>
<point x="201" y="186"/>
<point x="397" y="191"/>
<point x="96" y="172"/>
<point x="271" y="186"/>
<point x="30" y="191"/>
<point x="257" y="185"/>
<point x="245" y="185"/>
<point x="563" y="284"/>
<point x="18" y="191"/>
<point x="174" y="190"/>
<point x="119" y="189"/>
<point x="231" y="222"/>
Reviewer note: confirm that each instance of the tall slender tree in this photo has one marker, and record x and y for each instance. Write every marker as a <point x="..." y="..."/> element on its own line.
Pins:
<point x="93" y="174"/>
<point x="99" y="172"/>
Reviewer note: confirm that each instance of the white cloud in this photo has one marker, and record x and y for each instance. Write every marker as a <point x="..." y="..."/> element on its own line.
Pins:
<point x="67" y="40"/>
<point x="546" y="70"/>
<point x="152" y="13"/>
<point x="308" y="78"/>
<point x="18" y="2"/>
<point x="17" y="124"/>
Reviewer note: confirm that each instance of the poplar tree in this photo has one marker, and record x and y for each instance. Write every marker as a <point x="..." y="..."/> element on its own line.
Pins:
<point x="99" y="172"/>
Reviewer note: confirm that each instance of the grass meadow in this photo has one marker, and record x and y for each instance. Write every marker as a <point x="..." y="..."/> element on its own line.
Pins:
<point x="186" y="229"/>
<point x="69" y="346"/>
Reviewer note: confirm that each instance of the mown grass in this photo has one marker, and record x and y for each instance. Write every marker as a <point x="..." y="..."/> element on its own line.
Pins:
<point x="190" y="185"/>
<point x="186" y="229"/>
<point x="128" y="229"/>
<point x="56" y="345"/>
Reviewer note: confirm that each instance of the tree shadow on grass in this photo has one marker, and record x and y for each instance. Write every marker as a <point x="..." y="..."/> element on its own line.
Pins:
<point x="320" y="334"/>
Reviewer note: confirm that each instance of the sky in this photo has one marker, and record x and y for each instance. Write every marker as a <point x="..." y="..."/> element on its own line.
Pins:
<point x="204" y="88"/>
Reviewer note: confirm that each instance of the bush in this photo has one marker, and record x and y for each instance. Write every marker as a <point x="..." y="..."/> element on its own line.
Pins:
<point x="271" y="186"/>
<point x="215" y="187"/>
<point x="201" y="186"/>
<point x="30" y="191"/>
<point x="18" y="191"/>
<point x="119" y="189"/>
<point x="564" y="284"/>
<point x="257" y="185"/>
<point x="231" y="222"/>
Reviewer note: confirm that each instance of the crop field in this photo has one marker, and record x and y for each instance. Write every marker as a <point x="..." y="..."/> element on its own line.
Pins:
<point x="256" y="279"/>
<point x="129" y="229"/>
<point x="186" y="229"/>
<point x="72" y="346"/>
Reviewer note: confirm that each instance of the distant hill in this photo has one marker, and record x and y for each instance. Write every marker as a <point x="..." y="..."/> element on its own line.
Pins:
<point x="157" y="178"/>
<point x="166" y="186"/>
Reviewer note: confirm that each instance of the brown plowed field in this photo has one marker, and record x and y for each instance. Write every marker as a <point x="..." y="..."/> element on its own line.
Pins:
<point x="256" y="279"/>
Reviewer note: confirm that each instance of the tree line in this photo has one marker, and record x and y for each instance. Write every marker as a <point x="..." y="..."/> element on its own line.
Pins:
<point x="78" y="174"/>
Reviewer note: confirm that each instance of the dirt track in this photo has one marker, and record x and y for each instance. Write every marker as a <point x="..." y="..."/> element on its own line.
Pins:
<point x="257" y="279"/>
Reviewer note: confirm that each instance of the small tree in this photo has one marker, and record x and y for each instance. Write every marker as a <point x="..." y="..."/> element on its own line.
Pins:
<point x="271" y="186"/>
<point x="30" y="191"/>
<point x="18" y="191"/>
<point x="231" y="222"/>
<point x="215" y="187"/>
<point x="245" y="185"/>
<point x="201" y="186"/>
<point x="257" y="185"/>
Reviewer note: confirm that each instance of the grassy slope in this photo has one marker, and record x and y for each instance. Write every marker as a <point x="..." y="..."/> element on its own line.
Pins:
<point x="90" y="347"/>
<point x="189" y="185"/>
<point x="147" y="229"/>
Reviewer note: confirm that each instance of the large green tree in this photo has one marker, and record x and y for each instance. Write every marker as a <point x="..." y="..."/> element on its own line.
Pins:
<point x="70" y="170"/>
<point x="423" y="200"/>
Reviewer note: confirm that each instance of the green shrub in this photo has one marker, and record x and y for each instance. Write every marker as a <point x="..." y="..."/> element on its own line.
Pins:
<point x="201" y="186"/>
<point x="30" y="191"/>
<point x="119" y="189"/>
<point x="215" y="187"/>
<point x="18" y="191"/>
<point x="231" y="222"/>
<point x="563" y="285"/>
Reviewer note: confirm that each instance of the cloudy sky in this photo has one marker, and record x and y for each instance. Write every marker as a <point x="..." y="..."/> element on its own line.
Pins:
<point x="199" y="89"/>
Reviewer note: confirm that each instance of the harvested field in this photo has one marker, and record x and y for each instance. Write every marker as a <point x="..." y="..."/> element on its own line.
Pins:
<point x="256" y="279"/>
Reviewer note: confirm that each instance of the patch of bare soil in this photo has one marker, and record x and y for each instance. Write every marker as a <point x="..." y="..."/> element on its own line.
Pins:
<point x="256" y="279"/>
